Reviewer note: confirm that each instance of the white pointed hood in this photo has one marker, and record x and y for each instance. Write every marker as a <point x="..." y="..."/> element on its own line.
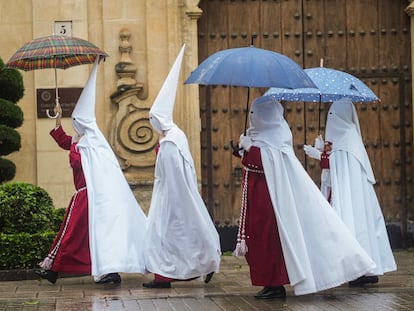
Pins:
<point x="83" y="116"/>
<point x="161" y="113"/>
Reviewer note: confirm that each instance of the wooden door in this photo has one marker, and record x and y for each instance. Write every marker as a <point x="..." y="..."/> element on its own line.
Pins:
<point x="369" y="39"/>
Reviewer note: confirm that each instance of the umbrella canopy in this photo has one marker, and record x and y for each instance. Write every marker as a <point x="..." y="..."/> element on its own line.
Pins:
<point x="331" y="85"/>
<point x="55" y="51"/>
<point x="250" y="67"/>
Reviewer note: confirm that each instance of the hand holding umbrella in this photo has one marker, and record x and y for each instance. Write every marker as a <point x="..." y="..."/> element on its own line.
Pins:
<point x="58" y="113"/>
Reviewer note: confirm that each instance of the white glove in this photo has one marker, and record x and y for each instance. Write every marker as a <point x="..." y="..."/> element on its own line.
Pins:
<point x="312" y="152"/>
<point x="319" y="143"/>
<point x="245" y="142"/>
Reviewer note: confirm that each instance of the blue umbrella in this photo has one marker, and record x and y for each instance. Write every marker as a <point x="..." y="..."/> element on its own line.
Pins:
<point x="250" y="67"/>
<point x="332" y="85"/>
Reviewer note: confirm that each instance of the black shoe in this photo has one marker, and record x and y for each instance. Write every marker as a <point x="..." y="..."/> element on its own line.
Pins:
<point x="271" y="292"/>
<point x="110" y="278"/>
<point x="49" y="275"/>
<point x="154" y="284"/>
<point x="208" y="277"/>
<point x="361" y="281"/>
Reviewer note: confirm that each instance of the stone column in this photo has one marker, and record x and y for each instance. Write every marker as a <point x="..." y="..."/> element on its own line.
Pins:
<point x="191" y="99"/>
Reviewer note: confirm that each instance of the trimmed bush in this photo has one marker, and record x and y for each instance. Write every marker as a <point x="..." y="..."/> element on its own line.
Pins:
<point x="25" y="208"/>
<point x="11" y="81"/>
<point x="28" y="225"/>
<point x="7" y="169"/>
<point x="9" y="140"/>
<point x="10" y="114"/>
<point x="24" y="250"/>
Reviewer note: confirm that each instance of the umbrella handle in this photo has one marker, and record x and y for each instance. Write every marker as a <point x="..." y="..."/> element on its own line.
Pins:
<point x="57" y="103"/>
<point x="50" y="116"/>
<point x="234" y="146"/>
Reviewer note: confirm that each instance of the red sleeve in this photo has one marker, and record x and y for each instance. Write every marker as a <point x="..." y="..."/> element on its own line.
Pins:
<point x="236" y="153"/>
<point x="62" y="139"/>
<point x="75" y="157"/>
<point x="253" y="159"/>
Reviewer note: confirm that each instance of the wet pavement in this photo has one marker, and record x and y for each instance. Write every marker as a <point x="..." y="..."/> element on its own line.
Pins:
<point x="228" y="290"/>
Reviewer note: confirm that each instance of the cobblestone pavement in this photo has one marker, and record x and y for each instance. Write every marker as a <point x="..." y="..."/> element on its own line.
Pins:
<point x="228" y="290"/>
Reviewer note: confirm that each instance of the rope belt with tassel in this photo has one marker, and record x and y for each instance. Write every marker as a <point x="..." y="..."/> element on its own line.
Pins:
<point x="241" y="247"/>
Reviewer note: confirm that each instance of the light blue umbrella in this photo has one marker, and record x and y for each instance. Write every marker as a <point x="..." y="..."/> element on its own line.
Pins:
<point x="250" y="67"/>
<point x="332" y="85"/>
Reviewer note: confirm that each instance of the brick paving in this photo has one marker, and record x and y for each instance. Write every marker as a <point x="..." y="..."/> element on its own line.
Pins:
<point x="229" y="290"/>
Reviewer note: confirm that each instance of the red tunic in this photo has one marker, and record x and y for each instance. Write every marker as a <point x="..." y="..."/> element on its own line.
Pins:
<point x="70" y="249"/>
<point x="324" y="163"/>
<point x="264" y="256"/>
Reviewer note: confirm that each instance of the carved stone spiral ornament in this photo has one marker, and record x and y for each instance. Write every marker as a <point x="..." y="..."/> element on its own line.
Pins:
<point x="131" y="136"/>
<point x="135" y="133"/>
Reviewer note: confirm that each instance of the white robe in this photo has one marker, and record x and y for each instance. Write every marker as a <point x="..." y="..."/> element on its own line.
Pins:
<point x="355" y="201"/>
<point x="116" y="221"/>
<point x="181" y="241"/>
<point x="319" y="251"/>
<point x="352" y="179"/>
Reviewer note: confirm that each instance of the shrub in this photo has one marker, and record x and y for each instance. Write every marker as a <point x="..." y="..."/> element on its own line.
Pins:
<point x="28" y="225"/>
<point x="9" y="140"/>
<point x="57" y="218"/>
<point x="7" y="169"/>
<point x="11" y="81"/>
<point x="10" y="114"/>
<point x="24" y="250"/>
<point x="25" y="208"/>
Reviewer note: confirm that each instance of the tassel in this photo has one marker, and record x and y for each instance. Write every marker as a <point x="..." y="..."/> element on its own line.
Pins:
<point x="241" y="249"/>
<point x="46" y="263"/>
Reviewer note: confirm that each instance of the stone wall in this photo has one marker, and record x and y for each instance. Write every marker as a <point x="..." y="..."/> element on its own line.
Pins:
<point x="157" y="30"/>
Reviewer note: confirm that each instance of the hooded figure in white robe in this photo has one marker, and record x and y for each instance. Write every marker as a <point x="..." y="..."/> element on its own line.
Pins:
<point x="116" y="220"/>
<point x="352" y="180"/>
<point x="319" y="251"/>
<point x="181" y="241"/>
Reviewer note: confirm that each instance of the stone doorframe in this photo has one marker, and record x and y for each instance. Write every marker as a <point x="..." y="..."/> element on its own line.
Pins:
<point x="410" y="11"/>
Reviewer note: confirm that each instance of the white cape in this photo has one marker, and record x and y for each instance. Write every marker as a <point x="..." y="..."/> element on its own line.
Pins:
<point x="116" y="221"/>
<point x="181" y="241"/>
<point x="352" y="179"/>
<point x="351" y="190"/>
<point x="319" y="251"/>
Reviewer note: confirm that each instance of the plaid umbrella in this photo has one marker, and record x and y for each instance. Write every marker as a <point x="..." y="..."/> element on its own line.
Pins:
<point x="55" y="51"/>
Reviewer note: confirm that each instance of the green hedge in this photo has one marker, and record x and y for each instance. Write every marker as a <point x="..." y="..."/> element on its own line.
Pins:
<point x="25" y="208"/>
<point x="24" y="250"/>
<point x="28" y="224"/>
